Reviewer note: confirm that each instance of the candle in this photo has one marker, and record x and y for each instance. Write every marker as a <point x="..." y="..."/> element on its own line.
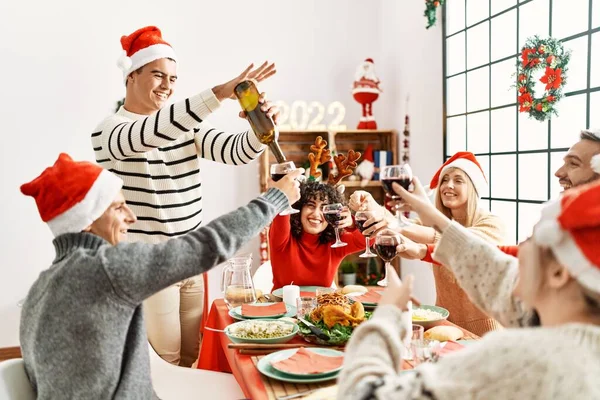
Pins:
<point x="290" y="294"/>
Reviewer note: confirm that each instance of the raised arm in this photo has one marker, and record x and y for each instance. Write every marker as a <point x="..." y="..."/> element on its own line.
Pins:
<point x="118" y="138"/>
<point x="484" y="272"/>
<point x="138" y="270"/>
<point x="227" y="148"/>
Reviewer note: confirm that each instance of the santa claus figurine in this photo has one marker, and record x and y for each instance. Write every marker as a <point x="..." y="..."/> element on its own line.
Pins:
<point x="366" y="90"/>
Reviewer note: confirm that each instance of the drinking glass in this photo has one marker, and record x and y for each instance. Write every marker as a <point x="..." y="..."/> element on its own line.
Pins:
<point x="386" y="243"/>
<point x="333" y="215"/>
<point x="425" y="350"/>
<point x="360" y="218"/>
<point x="305" y="305"/>
<point x="400" y="174"/>
<point x="278" y="171"/>
<point x="415" y="334"/>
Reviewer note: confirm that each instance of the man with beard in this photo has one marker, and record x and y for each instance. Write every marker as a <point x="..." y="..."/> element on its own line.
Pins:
<point x="577" y="168"/>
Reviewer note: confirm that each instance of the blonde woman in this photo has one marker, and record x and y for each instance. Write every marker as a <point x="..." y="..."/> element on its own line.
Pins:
<point x="459" y="183"/>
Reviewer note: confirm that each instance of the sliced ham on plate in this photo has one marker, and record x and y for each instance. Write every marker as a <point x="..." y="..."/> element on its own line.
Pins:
<point x="249" y="310"/>
<point x="371" y="296"/>
<point x="308" y="362"/>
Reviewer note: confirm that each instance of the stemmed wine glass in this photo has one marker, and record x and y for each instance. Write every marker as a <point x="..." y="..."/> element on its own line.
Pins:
<point x="400" y="174"/>
<point x="333" y="215"/>
<point x="386" y="243"/>
<point x="360" y="218"/>
<point x="278" y="171"/>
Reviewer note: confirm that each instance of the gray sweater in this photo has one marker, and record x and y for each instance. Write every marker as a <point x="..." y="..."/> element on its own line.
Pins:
<point x="82" y="329"/>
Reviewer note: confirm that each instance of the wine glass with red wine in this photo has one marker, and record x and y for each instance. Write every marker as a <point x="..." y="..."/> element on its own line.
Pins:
<point x="400" y="174"/>
<point x="386" y="243"/>
<point x="333" y="215"/>
<point x="360" y="219"/>
<point x="278" y="171"/>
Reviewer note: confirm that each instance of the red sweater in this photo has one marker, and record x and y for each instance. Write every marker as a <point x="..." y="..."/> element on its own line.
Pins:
<point x="307" y="262"/>
<point x="510" y="250"/>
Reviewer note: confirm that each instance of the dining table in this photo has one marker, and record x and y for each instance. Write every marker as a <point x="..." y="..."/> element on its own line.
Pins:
<point x="216" y="355"/>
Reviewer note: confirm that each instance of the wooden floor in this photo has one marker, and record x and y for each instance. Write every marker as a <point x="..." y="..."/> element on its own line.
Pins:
<point x="6" y="353"/>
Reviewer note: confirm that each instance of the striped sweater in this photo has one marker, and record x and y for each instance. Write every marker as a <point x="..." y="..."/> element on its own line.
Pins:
<point x="157" y="157"/>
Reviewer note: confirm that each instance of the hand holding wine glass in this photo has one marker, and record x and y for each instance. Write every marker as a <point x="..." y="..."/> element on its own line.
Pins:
<point x="429" y="215"/>
<point x="365" y="220"/>
<point x="399" y="174"/>
<point x="290" y="186"/>
<point x="346" y="220"/>
<point x="361" y="200"/>
<point x="288" y="168"/>
<point x="333" y="215"/>
<point x="386" y="246"/>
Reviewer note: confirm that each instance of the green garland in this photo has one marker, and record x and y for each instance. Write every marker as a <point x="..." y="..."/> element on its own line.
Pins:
<point x="431" y="7"/>
<point x="538" y="54"/>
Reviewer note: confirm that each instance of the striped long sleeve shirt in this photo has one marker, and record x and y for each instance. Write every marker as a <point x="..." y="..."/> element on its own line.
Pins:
<point x="157" y="157"/>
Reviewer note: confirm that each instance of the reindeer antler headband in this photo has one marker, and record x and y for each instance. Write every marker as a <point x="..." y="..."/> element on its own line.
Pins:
<point x="319" y="155"/>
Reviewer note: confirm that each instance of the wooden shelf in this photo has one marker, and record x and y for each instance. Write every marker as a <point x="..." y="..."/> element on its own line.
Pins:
<point x="357" y="184"/>
<point x="296" y="146"/>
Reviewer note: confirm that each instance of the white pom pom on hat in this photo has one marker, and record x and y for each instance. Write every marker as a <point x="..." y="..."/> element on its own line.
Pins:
<point x="124" y="62"/>
<point x="548" y="233"/>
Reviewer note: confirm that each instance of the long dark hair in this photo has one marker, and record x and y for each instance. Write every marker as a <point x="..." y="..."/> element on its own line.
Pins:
<point x="312" y="190"/>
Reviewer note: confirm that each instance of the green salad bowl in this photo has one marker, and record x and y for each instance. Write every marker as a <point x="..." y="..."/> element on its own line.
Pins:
<point x="274" y="339"/>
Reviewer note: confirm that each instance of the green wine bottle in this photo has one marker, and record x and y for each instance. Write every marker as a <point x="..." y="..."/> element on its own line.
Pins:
<point x="262" y="125"/>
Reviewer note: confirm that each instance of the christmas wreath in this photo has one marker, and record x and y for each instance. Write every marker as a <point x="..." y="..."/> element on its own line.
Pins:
<point x="539" y="54"/>
<point x="431" y="11"/>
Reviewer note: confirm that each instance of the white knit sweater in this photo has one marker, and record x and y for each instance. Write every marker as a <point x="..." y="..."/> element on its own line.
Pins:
<point x="157" y="157"/>
<point x="561" y="362"/>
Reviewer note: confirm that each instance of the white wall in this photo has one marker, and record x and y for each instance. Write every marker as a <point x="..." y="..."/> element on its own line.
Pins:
<point x="60" y="79"/>
<point x="413" y="61"/>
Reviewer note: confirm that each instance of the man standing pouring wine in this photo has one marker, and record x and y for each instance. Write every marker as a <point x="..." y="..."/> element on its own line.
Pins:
<point x="156" y="152"/>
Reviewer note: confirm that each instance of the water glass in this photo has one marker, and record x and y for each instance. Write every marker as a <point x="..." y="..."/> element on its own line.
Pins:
<point x="305" y="305"/>
<point x="425" y="350"/>
<point x="417" y="332"/>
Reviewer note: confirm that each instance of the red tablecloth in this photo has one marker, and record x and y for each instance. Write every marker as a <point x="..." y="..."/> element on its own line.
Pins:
<point x="215" y="356"/>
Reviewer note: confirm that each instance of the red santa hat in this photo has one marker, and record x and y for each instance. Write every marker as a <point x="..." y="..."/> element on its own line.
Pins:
<point x="369" y="60"/>
<point x="142" y="47"/>
<point x="466" y="162"/>
<point x="570" y="227"/>
<point x="70" y="195"/>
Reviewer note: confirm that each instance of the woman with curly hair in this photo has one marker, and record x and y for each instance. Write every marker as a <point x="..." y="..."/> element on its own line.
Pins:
<point x="300" y="244"/>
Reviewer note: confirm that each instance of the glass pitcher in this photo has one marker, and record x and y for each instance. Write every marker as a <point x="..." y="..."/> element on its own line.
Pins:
<point x="236" y="282"/>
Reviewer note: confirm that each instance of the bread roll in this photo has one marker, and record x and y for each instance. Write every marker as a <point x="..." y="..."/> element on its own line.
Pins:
<point x="443" y="333"/>
<point x="354" y="289"/>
